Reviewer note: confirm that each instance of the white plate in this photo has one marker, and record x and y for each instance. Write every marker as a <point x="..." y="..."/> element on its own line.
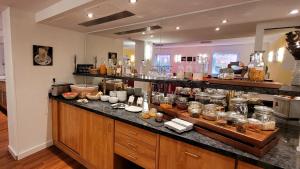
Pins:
<point x="133" y="109"/>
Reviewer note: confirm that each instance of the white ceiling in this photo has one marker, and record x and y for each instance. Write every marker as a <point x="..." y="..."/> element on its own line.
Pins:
<point x="28" y="5"/>
<point x="197" y="18"/>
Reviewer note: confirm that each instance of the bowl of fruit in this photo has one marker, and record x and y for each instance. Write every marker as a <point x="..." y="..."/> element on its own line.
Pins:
<point x="70" y="95"/>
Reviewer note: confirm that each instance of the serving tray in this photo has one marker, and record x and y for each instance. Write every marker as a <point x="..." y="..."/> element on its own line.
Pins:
<point x="257" y="143"/>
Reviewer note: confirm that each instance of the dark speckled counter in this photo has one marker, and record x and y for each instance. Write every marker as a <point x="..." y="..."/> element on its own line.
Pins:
<point x="283" y="155"/>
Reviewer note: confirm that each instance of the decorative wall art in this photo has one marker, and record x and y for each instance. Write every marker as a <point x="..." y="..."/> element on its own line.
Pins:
<point x="42" y="55"/>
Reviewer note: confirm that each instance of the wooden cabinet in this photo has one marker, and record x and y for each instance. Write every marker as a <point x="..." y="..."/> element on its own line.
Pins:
<point x="93" y="139"/>
<point x="97" y="147"/>
<point x="243" y="165"/>
<point x="70" y="127"/>
<point x="3" y="95"/>
<point x="136" y="145"/>
<point x="85" y="136"/>
<point x="177" y="155"/>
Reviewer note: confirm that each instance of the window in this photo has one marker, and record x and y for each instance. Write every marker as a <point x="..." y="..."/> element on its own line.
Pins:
<point x="221" y="60"/>
<point x="162" y="62"/>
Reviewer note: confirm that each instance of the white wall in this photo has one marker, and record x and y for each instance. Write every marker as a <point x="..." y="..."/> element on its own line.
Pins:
<point x="2" y="67"/>
<point x="100" y="46"/>
<point x="30" y="121"/>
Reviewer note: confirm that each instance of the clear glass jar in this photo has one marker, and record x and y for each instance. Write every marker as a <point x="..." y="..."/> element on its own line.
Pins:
<point x="218" y="100"/>
<point x="196" y="91"/>
<point x="182" y="103"/>
<point x="209" y="112"/>
<point x="239" y="105"/>
<point x="254" y="125"/>
<point x="256" y="69"/>
<point x="195" y="109"/>
<point x="203" y="98"/>
<point x="178" y="90"/>
<point x="166" y="103"/>
<point x="157" y="97"/>
<point x="186" y="91"/>
<point x="172" y="98"/>
<point x="241" y="125"/>
<point x="222" y="118"/>
<point x="232" y="117"/>
<point x="265" y="115"/>
<point x="180" y="72"/>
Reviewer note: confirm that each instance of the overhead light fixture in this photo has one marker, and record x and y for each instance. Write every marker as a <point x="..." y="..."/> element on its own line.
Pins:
<point x="143" y="33"/>
<point x="90" y="15"/>
<point x="151" y="36"/>
<point x="218" y="29"/>
<point x="133" y="1"/>
<point x="294" y="12"/>
<point x="177" y="28"/>
<point x="224" y="21"/>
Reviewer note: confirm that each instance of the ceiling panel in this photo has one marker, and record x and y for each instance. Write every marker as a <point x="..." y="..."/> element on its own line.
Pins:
<point x="29" y="5"/>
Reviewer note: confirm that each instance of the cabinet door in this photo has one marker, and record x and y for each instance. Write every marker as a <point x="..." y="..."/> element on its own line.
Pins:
<point x="69" y="126"/>
<point x="243" y="165"/>
<point x="178" y="155"/>
<point x="98" y="140"/>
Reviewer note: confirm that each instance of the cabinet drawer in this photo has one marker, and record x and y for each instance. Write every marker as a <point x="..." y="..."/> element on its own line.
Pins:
<point x="134" y="132"/>
<point x="243" y="165"/>
<point x="178" y="155"/>
<point x="204" y="158"/>
<point x="134" y="145"/>
<point x="136" y="157"/>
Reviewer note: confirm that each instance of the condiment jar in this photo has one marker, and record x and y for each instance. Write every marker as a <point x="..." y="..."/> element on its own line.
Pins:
<point x="265" y="115"/>
<point x="239" y="105"/>
<point x="254" y="125"/>
<point x="196" y="91"/>
<point x="218" y="100"/>
<point x="222" y="118"/>
<point x="202" y="97"/>
<point x="166" y="103"/>
<point x="178" y="90"/>
<point x="195" y="109"/>
<point x="209" y="112"/>
<point x="103" y="69"/>
<point x="241" y="125"/>
<point x="181" y="103"/>
<point x="186" y="91"/>
<point x="172" y="98"/>
<point x="157" y="97"/>
<point x="232" y="117"/>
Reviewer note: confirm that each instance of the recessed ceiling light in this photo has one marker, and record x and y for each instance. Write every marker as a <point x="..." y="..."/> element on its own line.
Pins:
<point x="132" y="1"/>
<point x="217" y="29"/>
<point x="294" y="12"/>
<point x="177" y="28"/>
<point x="151" y="36"/>
<point x="224" y="21"/>
<point x="90" y="15"/>
<point x="143" y="33"/>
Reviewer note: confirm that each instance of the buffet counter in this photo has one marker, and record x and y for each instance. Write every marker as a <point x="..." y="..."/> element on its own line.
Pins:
<point x="283" y="155"/>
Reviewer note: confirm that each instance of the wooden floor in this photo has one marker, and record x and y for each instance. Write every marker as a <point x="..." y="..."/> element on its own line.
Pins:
<point x="50" y="158"/>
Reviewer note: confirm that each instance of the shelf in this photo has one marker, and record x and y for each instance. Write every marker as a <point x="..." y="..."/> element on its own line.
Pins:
<point x="272" y="88"/>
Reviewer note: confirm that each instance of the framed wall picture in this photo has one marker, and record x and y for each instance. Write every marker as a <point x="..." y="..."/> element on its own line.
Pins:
<point x="183" y="59"/>
<point x="189" y="58"/>
<point x="114" y="57"/>
<point x="42" y="55"/>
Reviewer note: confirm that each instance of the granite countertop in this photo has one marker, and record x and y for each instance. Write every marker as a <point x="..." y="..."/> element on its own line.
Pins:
<point x="283" y="155"/>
